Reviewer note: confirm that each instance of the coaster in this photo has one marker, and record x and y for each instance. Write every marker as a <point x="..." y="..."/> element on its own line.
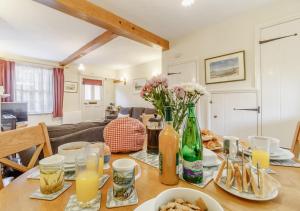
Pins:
<point x="103" y="180"/>
<point x="111" y="202"/>
<point x="74" y="206"/>
<point x="49" y="197"/>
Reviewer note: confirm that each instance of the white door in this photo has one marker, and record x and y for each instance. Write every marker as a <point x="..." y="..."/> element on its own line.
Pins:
<point x="234" y="114"/>
<point x="280" y="81"/>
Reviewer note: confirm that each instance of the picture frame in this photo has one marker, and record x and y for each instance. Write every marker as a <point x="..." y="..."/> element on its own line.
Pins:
<point x="71" y="87"/>
<point x="296" y="142"/>
<point x="225" y="68"/>
<point x="138" y="84"/>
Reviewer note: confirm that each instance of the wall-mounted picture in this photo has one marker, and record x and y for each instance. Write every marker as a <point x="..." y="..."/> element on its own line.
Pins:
<point x="225" y="68"/>
<point x="138" y="84"/>
<point x="71" y="87"/>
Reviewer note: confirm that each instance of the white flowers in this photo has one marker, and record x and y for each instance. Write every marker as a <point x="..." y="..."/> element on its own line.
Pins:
<point x="192" y="88"/>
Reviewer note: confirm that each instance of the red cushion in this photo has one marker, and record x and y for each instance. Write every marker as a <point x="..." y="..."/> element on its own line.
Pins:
<point x="125" y="135"/>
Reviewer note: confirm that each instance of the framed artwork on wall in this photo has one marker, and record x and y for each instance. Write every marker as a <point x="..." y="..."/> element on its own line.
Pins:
<point x="225" y="68"/>
<point x="138" y="84"/>
<point x="71" y="87"/>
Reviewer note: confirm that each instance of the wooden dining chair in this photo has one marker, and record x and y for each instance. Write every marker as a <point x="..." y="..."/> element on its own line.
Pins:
<point x="14" y="141"/>
<point x="296" y="142"/>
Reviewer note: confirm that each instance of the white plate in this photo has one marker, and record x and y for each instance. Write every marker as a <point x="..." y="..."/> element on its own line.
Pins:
<point x="248" y="196"/>
<point x="280" y="154"/>
<point x="146" y="206"/>
<point x="284" y="155"/>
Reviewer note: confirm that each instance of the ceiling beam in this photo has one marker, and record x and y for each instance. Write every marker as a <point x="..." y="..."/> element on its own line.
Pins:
<point x="105" y="19"/>
<point x="92" y="45"/>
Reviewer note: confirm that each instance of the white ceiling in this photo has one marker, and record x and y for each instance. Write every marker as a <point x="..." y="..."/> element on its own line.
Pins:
<point x="170" y="20"/>
<point x="33" y="30"/>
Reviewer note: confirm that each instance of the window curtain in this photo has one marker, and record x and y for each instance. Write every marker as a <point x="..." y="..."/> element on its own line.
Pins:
<point x="34" y="85"/>
<point x="87" y="81"/>
<point x="58" y="77"/>
<point x="7" y="72"/>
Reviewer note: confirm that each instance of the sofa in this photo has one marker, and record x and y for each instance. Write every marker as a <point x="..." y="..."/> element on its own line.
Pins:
<point x="84" y="131"/>
<point x="136" y="112"/>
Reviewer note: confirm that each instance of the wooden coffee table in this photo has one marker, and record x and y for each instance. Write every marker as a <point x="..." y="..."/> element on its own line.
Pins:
<point x="15" y="197"/>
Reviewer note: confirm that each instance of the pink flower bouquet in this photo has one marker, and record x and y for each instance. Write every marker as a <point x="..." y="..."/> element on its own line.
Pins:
<point x="157" y="92"/>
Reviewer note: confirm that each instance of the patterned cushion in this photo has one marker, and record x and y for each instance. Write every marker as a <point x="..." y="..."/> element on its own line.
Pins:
<point x="125" y="135"/>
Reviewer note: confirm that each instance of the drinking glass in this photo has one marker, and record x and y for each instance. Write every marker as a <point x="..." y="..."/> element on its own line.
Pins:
<point x="51" y="174"/>
<point x="99" y="149"/>
<point x="87" y="177"/>
<point x="260" y="152"/>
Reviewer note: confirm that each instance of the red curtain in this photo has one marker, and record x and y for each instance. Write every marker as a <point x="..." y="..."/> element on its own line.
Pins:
<point x="91" y="82"/>
<point x="7" y="71"/>
<point x="58" y="78"/>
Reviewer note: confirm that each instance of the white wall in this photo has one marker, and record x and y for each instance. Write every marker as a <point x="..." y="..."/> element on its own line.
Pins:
<point x="124" y="94"/>
<point x="234" y="34"/>
<point x="72" y="105"/>
<point x="231" y="35"/>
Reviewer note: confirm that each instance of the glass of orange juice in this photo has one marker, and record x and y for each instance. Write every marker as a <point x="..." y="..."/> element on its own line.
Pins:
<point x="87" y="178"/>
<point x="260" y="152"/>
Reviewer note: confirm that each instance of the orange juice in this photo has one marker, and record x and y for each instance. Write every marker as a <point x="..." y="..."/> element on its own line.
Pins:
<point x="87" y="186"/>
<point x="100" y="166"/>
<point x="261" y="157"/>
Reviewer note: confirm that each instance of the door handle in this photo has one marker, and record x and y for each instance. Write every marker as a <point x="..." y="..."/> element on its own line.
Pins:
<point x="248" y="109"/>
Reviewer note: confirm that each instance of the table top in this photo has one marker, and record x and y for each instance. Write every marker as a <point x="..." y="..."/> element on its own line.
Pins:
<point x="16" y="195"/>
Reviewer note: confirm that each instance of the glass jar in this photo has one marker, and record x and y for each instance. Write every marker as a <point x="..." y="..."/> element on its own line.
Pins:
<point x="51" y="174"/>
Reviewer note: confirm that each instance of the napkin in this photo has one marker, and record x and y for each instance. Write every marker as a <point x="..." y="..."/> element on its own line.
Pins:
<point x="209" y="157"/>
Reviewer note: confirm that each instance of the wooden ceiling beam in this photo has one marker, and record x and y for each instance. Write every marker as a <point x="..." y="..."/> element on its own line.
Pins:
<point x="87" y="48"/>
<point x="105" y="19"/>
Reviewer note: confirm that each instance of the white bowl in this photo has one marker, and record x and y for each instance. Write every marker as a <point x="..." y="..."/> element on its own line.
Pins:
<point x="186" y="194"/>
<point x="71" y="150"/>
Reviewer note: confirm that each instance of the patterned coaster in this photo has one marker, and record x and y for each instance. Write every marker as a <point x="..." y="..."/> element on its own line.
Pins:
<point x="69" y="176"/>
<point x="152" y="160"/>
<point x="111" y="202"/>
<point x="38" y="195"/>
<point x="74" y="206"/>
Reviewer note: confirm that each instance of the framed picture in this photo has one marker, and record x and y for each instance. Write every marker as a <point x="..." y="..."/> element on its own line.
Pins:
<point x="71" y="87"/>
<point x="138" y="84"/>
<point x="225" y="68"/>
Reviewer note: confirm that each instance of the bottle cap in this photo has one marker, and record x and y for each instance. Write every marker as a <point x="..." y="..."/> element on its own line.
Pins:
<point x="168" y="114"/>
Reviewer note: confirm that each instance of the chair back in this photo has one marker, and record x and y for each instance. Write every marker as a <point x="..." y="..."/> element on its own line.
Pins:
<point x="296" y="142"/>
<point x="15" y="141"/>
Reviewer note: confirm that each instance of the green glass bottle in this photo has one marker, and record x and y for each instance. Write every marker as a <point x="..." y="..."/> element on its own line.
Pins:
<point x="192" y="148"/>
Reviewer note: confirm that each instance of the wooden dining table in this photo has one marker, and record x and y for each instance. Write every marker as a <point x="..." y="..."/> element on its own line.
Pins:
<point x="15" y="197"/>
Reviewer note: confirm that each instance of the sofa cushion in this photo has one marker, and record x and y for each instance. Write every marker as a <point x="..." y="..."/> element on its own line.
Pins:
<point x="126" y="110"/>
<point x="137" y="112"/>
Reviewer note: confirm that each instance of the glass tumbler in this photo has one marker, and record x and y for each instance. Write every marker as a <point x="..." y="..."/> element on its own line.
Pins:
<point x="87" y="178"/>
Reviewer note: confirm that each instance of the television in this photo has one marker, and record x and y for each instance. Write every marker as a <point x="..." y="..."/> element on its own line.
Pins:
<point x="19" y="110"/>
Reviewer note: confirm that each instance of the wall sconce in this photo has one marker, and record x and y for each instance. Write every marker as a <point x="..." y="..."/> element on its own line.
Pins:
<point x="124" y="80"/>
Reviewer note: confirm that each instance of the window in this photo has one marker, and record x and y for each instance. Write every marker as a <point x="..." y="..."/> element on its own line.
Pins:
<point x="92" y="89"/>
<point x="92" y="92"/>
<point x="34" y="85"/>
